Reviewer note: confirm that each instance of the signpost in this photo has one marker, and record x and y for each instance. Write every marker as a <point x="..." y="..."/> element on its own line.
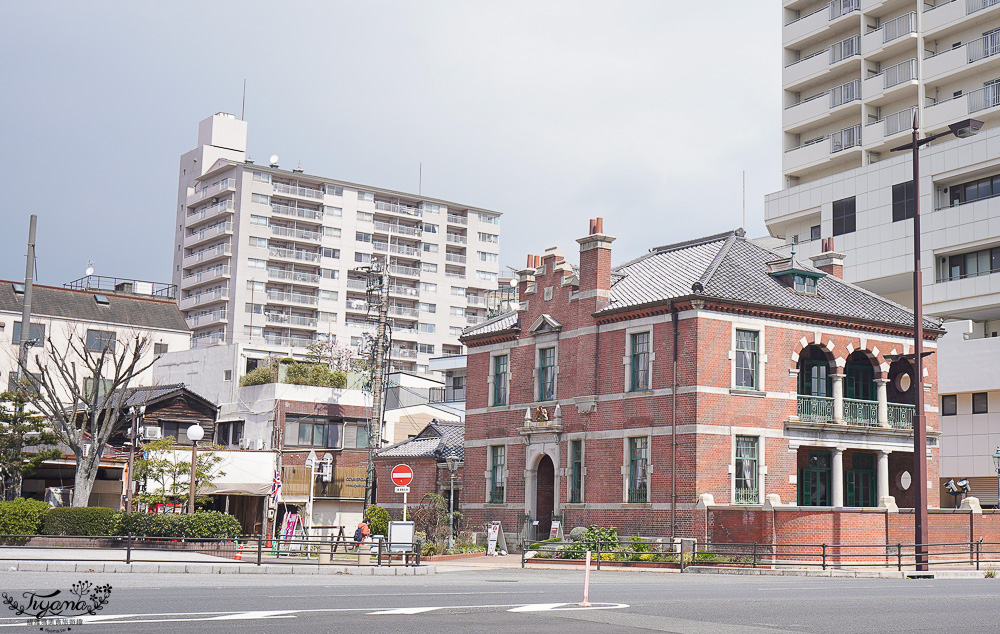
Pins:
<point x="402" y="476"/>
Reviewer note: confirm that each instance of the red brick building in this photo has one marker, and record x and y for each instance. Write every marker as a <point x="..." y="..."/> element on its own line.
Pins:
<point x="710" y="370"/>
<point x="427" y="454"/>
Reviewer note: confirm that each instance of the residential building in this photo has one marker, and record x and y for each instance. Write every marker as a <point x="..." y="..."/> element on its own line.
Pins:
<point x="710" y="370"/>
<point x="855" y="72"/>
<point x="266" y="257"/>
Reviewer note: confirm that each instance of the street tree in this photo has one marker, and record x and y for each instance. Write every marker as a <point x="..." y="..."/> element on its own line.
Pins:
<point x="80" y="387"/>
<point x="26" y="441"/>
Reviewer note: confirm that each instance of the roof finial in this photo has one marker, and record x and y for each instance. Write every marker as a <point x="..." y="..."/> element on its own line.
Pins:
<point x="793" y="251"/>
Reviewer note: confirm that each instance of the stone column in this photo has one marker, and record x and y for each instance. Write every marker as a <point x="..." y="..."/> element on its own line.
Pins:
<point x="883" y="402"/>
<point x="838" y="398"/>
<point x="837" y="477"/>
<point x="882" y="482"/>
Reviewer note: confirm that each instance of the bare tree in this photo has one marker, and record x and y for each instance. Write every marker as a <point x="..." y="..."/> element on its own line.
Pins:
<point x="81" y="390"/>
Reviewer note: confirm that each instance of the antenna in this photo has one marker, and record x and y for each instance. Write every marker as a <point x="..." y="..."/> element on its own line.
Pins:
<point x="90" y="268"/>
<point x="274" y="160"/>
<point x="420" y="179"/>
<point x="744" y="199"/>
<point x="243" y="112"/>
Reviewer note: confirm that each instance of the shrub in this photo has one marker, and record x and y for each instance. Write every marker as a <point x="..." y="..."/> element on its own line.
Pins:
<point x="578" y="534"/>
<point x="21" y="516"/>
<point x="202" y="525"/>
<point x="378" y="520"/>
<point x="259" y="376"/>
<point x="316" y="374"/>
<point x="91" y="521"/>
<point x="608" y="538"/>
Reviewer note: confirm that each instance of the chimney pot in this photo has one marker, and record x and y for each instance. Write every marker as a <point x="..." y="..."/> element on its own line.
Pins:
<point x="599" y="225"/>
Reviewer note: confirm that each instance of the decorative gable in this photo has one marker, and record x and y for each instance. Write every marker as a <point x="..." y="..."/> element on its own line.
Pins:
<point x="545" y="323"/>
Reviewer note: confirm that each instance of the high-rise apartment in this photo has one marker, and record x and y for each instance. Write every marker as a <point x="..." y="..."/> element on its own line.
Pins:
<point x="265" y="256"/>
<point x="855" y="71"/>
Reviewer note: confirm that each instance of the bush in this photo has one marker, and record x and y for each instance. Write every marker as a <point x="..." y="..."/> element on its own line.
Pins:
<point x="202" y="525"/>
<point x="21" y="516"/>
<point x="91" y="521"/>
<point x="316" y="374"/>
<point x="259" y="376"/>
<point x="378" y="520"/>
<point x="578" y="534"/>
<point x="608" y="538"/>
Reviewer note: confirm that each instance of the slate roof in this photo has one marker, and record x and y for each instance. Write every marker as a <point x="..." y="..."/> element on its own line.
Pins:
<point x="438" y="439"/>
<point x="727" y="266"/>
<point x="148" y="395"/>
<point x="66" y="303"/>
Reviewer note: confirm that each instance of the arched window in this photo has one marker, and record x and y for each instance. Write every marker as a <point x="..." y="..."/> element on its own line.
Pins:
<point x="859" y="383"/>
<point x="814" y="373"/>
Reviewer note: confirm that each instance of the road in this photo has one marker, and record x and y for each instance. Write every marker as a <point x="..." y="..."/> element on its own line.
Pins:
<point x="514" y="600"/>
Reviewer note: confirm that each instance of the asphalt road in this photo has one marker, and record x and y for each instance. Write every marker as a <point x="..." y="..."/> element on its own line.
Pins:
<point x="514" y="600"/>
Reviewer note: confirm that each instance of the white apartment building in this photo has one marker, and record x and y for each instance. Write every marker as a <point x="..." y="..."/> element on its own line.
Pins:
<point x="854" y="73"/>
<point x="265" y="256"/>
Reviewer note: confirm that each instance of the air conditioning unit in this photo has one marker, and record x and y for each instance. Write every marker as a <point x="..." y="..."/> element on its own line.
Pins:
<point x="244" y="443"/>
<point x="152" y="433"/>
<point x="258" y="444"/>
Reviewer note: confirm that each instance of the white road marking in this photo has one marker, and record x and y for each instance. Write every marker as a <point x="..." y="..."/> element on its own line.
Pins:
<point x="405" y="611"/>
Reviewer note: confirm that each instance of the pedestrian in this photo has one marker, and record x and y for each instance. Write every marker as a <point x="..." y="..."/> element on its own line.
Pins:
<point x="361" y="534"/>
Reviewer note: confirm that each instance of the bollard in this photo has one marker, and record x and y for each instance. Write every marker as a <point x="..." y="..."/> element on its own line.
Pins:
<point x="128" y="548"/>
<point x="899" y="557"/>
<point x="260" y="545"/>
<point x="824" y="556"/>
<point x="753" y="558"/>
<point x="586" y="584"/>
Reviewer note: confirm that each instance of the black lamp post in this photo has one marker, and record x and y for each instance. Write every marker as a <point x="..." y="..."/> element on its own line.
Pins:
<point x="962" y="129"/>
<point x="996" y="467"/>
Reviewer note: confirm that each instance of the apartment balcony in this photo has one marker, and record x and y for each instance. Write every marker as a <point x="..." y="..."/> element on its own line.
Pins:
<point x="357" y="305"/>
<point x="472" y="320"/>
<point x="398" y="209"/>
<point x="403" y="249"/>
<point x="855" y="413"/>
<point x="300" y="192"/>
<point x="841" y="146"/>
<point x="208" y="233"/>
<point x="206" y="297"/>
<point x="207" y="318"/>
<point x="457" y="220"/>
<point x="405" y="291"/>
<point x="457" y="238"/>
<point x="297" y="277"/>
<point x="382" y="247"/>
<point x="406" y="271"/>
<point x="944" y="16"/>
<point x="455" y="275"/>
<point x="840" y="58"/>
<point x="891" y="37"/>
<point x="294" y="321"/>
<point x="978" y="55"/>
<point x="398" y="229"/>
<point x="207" y="255"/>
<point x="890" y="127"/>
<point x="281" y="297"/>
<point x="200" y="341"/>
<point x="475" y="300"/>
<point x="293" y="254"/>
<point x="405" y="330"/>
<point x="208" y="275"/>
<point x="816" y="108"/>
<point x="454" y="257"/>
<point x="357" y="285"/>
<point x="403" y="353"/>
<point x="297" y="212"/>
<point x="288" y="342"/>
<point x="813" y="26"/>
<point x="296" y="234"/>
<point x="225" y="186"/>
<point x="195" y="217"/>
<point x="983" y="103"/>
<point x="891" y="83"/>
<point x="404" y="311"/>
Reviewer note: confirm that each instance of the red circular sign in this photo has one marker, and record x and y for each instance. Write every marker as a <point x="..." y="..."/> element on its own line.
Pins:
<point x="402" y="475"/>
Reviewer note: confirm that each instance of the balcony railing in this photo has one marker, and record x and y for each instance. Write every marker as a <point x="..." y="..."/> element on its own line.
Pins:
<point x="496" y="495"/>
<point x="402" y="249"/>
<point x="457" y="238"/>
<point x="986" y="46"/>
<point x="860" y="413"/>
<point x="207" y="274"/>
<point x="971" y="6"/>
<point x="299" y="234"/>
<point x="291" y="320"/>
<point x="898" y="121"/>
<point x="293" y="276"/>
<point x="209" y="232"/>
<point x="297" y="212"/>
<point x="815" y="409"/>
<point x="357" y="285"/>
<point x="391" y="227"/>
<point x="846" y="138"/>
<point x="304" y="192"/>
<point x="637" y="495"/>
<point x="288" y="342"/>
<point x="475" y="300"/>
<point x="397" y="269"/>
<point x="899" y="73"/>
<point x="898" y="27"/>
<point x="206" y="318"/>
<point x="205" y="192"/>
<point x="398" y="209"/>
<point x="845" y="48"/>
<point x="207" y="254"/>
<point x="404" y="353"/>
<point x="988" y="97"/>
<point x="457" y="220"/>
<point x="472" y="320"/>
<point x="851" y="91"/>
<point x="293" y="254"/>
<point x="403" y="311"/>
<point x="208" y="212"/>
<point x="409" y="291"/>
<point x="747" y="496"/>
<point x="843" y="7"/>
<point x="447" y="394"/>
<point x="297" y="298"/>
<point x="454" y="257"/>
<point x="901" y="416"/>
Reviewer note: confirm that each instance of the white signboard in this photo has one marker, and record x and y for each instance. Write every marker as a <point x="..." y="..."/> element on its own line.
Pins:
<point x="402" y="489"/>
<point x="496" y="540"/>
<point x="400" y="536"/>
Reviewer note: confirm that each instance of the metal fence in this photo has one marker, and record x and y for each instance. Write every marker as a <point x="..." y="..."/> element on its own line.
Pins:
<point x="255" y="550"/>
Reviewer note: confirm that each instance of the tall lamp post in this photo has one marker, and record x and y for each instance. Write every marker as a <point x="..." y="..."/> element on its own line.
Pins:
<point x="962" y="129"/>
<point x="138" y="413"/>
<point x="452" y="467"/>
<point x="996" y="467"/>
<point x="311" y="465"/>
<point x="194" y="433"/>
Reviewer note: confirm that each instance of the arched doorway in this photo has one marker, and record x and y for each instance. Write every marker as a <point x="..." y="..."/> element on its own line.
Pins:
<point x="545" y="495"/>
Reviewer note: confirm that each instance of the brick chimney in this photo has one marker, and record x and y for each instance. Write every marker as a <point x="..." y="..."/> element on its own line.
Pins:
<point x="595" y="262"/>
<point x="829" y="261"/>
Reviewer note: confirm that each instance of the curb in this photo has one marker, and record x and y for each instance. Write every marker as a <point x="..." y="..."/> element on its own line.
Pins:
<point x="852" y="574"/>
<point x="213" y="569"/>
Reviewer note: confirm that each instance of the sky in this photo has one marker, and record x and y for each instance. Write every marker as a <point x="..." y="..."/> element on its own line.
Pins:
<point x="644" y="113"/>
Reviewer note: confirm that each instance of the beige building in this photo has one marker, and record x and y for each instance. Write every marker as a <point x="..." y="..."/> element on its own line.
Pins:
<point x="265" y="256"/>
<point x="854" y="73"/>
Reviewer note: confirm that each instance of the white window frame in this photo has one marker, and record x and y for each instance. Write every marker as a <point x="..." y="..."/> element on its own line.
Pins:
<point x="761" y="357"/>
<point x="627" y="359"/>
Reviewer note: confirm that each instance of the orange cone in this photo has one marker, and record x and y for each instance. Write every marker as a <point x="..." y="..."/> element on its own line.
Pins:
<point x="239" y="553"/>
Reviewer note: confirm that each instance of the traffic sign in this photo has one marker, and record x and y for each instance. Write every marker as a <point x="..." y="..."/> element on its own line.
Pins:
<point x="402" y="475"/>
<point x="402" y="489"/>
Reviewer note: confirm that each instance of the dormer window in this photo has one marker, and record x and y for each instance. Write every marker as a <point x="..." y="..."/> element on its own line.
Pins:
<point x="793" y="275"/>
<point x="804" y="284"/>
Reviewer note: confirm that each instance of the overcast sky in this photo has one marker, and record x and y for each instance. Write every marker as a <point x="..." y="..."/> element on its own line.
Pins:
<point x="645" y="113"/>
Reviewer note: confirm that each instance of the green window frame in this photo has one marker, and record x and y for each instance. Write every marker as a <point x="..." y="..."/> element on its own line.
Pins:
<point x="638" y="470"/>
<point x="747" y="354"/>
<point x="546" y="374"/>
<point x="498" y="459"/>
<point x="500" y="364"/>
<point x="576" y="481"/>
<point x="815" y="480"/>
<point x="639" y="349"/>
<point x="747" y="489"/>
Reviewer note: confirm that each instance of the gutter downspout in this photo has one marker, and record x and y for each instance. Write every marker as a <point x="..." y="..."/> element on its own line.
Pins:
<point x="673" y="427"/>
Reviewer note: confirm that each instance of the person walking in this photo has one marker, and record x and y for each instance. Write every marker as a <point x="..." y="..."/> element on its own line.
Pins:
<point x="361" y="534"/>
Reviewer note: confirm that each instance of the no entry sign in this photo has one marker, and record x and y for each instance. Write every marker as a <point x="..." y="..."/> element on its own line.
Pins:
<point x="402" y="475"/>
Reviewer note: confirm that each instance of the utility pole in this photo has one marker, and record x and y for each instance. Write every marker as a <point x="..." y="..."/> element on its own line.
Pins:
<point x="29" y="268"/>
<point x="378" y="285"/>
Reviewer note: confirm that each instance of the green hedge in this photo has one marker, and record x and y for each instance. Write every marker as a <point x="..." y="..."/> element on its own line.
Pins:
<point x="205" y="525"/>
<point x="91" y="521"/>
<point x="21" y="516"/>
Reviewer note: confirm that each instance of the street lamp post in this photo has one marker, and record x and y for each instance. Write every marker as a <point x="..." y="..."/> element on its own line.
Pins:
<point x="452" y="466"/>
<point x="996" y="467"/>
<point x="138" y="413"/>
<point x="961" y="130"/>
<point x="194" y="433"/>
<point x="311" y="464"/>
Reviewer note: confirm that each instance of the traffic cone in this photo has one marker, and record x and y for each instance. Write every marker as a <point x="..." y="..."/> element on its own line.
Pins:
<point x="239" y="553"/>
